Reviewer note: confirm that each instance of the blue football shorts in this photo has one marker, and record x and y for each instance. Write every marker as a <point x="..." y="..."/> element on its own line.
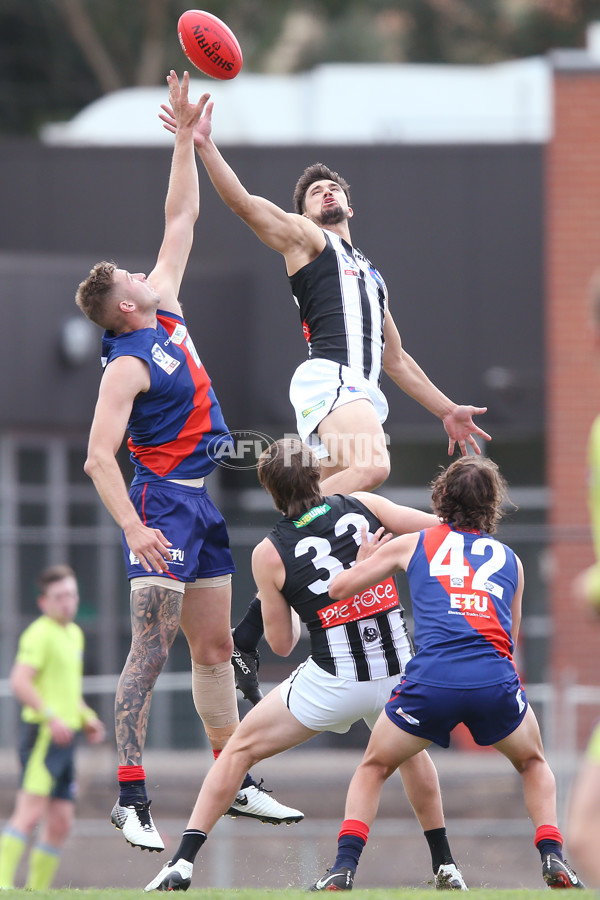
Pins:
<point x="192" y="523"/>
<point x="490" y="713"/>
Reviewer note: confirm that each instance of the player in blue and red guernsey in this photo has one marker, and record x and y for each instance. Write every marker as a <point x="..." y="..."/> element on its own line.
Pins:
<point x="466" y="589"/>
<point x="175" y="540"/>
<point x="176" y="429"/>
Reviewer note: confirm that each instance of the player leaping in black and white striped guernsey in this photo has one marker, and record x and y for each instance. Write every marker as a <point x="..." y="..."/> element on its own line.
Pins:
<point x="347" y="323"/>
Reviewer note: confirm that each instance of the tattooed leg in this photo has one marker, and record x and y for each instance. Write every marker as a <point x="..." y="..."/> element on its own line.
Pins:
<point x="155" y="617"/>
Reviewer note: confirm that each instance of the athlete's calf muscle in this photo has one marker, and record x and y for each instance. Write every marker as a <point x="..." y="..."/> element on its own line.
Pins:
<point x="155" y="616"/>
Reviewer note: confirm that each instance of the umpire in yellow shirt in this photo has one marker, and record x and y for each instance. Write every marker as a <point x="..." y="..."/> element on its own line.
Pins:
<point x="46" y="679"/>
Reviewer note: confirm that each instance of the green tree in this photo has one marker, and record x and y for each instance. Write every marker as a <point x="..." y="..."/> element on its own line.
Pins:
<point x="56" y="56"/>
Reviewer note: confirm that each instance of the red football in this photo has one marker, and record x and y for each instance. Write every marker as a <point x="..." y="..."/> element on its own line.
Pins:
<point x="209" y="44"/>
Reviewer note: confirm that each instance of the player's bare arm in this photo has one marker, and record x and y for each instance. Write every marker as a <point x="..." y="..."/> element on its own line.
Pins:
<point x="395" y="518"/>
<point x="294" y="236"/>
<point x="297" y="238"/>
<point x="517" y="602"/>
<point x="123" y="380"/>
<point x="182" y="204"/>
<point x="393" y="556"/>
<point x="370" y="545"/>
<point x="408" y="375"/>
<point x="282" y="625"/>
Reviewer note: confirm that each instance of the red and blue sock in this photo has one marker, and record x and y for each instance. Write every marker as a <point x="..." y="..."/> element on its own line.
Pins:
<point x="132" y="785"/>
<point x="351" y="843"/>
<point x="548" y="839"/>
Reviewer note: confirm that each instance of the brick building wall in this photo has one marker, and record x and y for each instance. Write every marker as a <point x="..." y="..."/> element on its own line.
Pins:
<point x="572" y="366"/>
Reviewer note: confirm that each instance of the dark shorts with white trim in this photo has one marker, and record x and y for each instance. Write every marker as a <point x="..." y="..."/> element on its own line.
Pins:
<point x="490" y="713"/>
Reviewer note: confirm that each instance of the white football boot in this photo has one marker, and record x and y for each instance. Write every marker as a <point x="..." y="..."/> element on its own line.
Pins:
<point x="137" y="826"/>
<point x="449" y="878"/>
<point x="255" y="802"/>
<point x="173" y="877"/>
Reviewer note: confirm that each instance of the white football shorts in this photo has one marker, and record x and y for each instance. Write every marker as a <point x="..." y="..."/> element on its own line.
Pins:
<point x="319" y="386"/>
<point x="324" y="702"/>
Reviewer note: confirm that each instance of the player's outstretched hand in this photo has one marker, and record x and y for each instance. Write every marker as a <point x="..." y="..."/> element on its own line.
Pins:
<point x="201" y="112"/>
<point x="461" y="429"/>
<point x="369" y="547"/>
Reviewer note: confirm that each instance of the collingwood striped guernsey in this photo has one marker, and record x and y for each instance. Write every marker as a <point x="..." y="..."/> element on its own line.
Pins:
<point x="358" y="639"/>
<point x="342" y="300"/>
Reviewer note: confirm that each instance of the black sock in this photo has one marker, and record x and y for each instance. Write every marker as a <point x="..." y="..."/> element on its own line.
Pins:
<point x="247" y="782"/>
<point x="191" y="841"/>
<point x="131" y="792"/>
<point x="439" y="848"/>
<point x="549" y="846"/>
<point x="249" y="631"/>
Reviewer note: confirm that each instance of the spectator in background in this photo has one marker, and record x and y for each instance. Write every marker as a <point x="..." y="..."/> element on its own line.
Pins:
<point x="46" y="679"/>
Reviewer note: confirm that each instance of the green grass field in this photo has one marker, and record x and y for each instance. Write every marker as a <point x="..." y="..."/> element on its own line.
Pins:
<point x="242" y="894"/>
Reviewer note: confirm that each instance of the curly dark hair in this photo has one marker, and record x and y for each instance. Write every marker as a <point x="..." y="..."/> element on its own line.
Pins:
<point x="469" y="494"/>
<point x="290" y="472"/>
<point x="317" y="172"/>
<point x="94" y="291"/>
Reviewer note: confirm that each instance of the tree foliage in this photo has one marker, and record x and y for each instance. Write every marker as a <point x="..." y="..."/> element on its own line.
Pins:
<point x="58" y="55"/>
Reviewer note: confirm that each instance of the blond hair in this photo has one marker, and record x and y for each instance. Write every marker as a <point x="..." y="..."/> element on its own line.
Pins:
<point x="94" y="293"/>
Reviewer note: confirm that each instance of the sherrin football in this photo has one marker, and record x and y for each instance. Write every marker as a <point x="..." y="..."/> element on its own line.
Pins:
<point x="209" y="44"/>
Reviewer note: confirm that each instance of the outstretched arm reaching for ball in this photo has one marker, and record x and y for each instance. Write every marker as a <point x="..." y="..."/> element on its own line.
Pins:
<point x="182" y="202"/>
<point x="297" y="238"/>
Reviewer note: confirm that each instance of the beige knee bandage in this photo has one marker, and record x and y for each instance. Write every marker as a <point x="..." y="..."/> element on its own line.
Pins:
<point x="213" y="689"/>
<point x="212" y="582"/>
<point x="148" y="581"/>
